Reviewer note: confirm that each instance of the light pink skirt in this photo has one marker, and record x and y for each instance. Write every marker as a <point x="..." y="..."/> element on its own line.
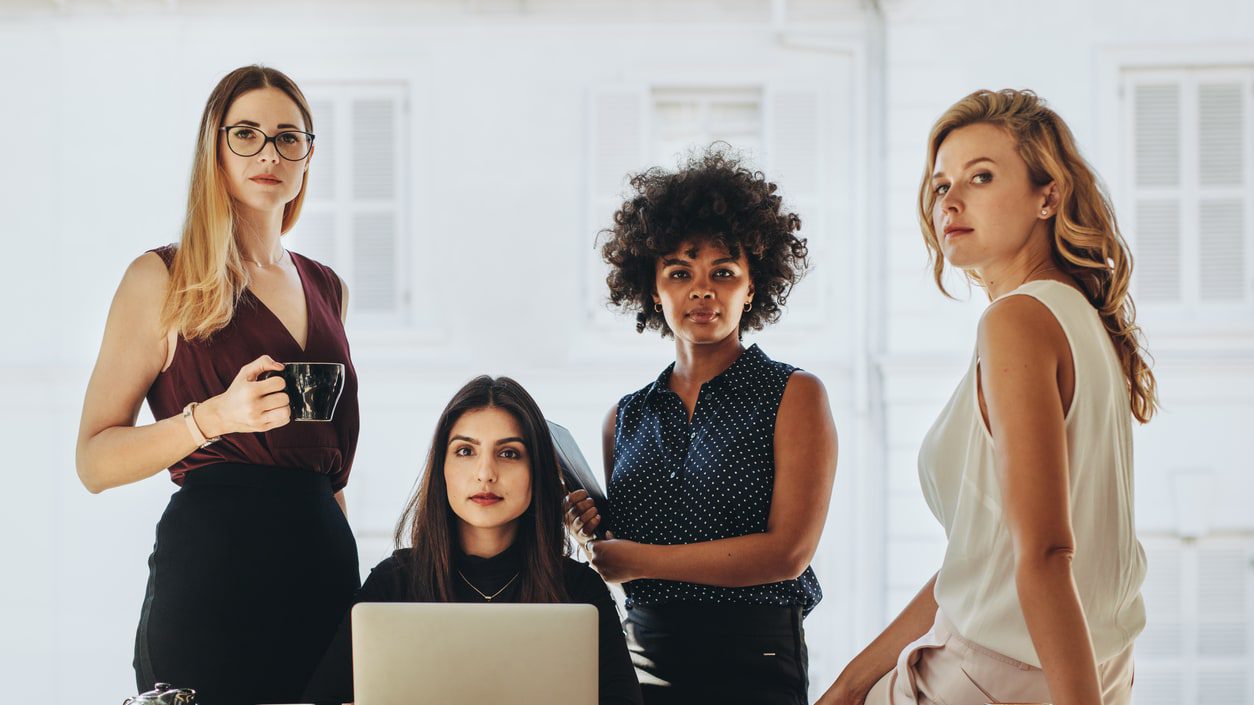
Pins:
<point x="942" y="668"/>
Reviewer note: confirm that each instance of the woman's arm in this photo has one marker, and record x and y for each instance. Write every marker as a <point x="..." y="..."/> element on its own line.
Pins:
<point x="805" y="469"/>
<point x="880" y="656"/>
<point x="339" y="496"/>
<point x="111" y="449"/>
<point x="1023" y="351"/>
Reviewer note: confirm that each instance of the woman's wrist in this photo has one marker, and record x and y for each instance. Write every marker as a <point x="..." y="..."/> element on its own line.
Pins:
<point x="636" y="560"/>
<point x="207" y="419"/>
<point x="860" y="676"/>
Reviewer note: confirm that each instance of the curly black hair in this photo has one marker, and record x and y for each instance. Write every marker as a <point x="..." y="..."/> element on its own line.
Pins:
<point x="711" y="197"/>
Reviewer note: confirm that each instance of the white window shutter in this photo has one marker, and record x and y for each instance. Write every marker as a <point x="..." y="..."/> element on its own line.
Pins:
<point x="1161" y="650"/>
<point x="1197" y="645"/>
<point x="322" y="165"/>
<point x="1221" y="134"/>
<point x="1223" y="615"/>
<point x="618" y="136"/>
<point x="1222" y="250"/>
<point x="1156" y="114"/>
<point x="314" y="234"/>
<point x="376" y="152"/>
<point x="353" y="216"/>
<point x="1223" y="591"/>
<point x="1163" y="592"/>
<point x="374" y="148"/>
<point x="794" y="140"/>
<point x="1157" y="118"/>
<point x="1223" y="233"/>
<point x="1158" y="252"/>
<point x="1192" y="203"/>
<point x="374" y="262"/>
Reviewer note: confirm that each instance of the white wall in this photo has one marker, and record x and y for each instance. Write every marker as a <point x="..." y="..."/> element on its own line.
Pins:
<point x="498" y="156"/>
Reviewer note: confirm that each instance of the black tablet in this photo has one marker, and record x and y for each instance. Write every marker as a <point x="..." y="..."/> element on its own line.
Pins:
<point x="576" y="473"/>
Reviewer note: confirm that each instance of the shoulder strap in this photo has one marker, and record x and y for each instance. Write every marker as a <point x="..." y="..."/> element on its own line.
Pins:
<point x="166" y="253"/>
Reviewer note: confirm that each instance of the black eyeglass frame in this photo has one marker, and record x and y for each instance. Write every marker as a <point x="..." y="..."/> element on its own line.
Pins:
<point x="268" y="139"/>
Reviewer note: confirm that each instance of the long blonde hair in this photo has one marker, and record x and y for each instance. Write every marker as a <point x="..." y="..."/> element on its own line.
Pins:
<point x="208" y="277"/>
<point x="1086" y="242"/>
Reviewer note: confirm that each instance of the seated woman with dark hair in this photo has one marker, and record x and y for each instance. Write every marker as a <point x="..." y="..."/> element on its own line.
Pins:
<point x="485" y="525"/>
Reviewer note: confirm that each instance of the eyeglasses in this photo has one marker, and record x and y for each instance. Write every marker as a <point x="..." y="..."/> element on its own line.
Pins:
<point x="248" y="141"/>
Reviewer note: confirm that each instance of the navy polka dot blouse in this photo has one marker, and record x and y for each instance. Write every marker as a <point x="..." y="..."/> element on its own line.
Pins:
<point x="676" y="482"/>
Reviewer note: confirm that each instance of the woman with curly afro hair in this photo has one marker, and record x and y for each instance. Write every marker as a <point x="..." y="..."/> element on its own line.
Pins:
<point x="719" y="471"/>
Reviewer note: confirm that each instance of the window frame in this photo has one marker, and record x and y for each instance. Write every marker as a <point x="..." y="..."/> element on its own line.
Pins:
<point x="1201" y="325"/>
<point x="344" y="205"/>
<point x="1190" y="191"/>
<point x="1190" y="664"/>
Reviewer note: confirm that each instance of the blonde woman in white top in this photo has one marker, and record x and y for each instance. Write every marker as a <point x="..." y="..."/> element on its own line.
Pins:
<point x="1029" y="466"/>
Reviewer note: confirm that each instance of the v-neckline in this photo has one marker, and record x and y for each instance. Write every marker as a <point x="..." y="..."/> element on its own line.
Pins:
<point x="304" y="290"/>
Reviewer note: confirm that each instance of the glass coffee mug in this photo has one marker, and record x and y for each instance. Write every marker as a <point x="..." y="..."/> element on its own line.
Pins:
<point x="163" y="694"/>
<point x="313" y="388"/>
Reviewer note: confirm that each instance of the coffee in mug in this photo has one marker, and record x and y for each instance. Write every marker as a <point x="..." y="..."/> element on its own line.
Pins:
<point x="313" y="388"/>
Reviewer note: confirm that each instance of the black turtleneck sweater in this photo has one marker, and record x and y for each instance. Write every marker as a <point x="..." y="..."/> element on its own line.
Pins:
<point x="389" y="582"/>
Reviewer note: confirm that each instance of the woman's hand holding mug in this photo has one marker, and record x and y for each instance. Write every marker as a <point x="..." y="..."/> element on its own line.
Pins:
<point x="249" y="405"/>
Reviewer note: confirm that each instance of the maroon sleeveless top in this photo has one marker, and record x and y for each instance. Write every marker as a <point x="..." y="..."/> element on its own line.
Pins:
<point x="205" y="368"/>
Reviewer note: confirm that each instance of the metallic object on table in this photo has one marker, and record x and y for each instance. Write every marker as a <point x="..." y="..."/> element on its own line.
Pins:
<point x="163" y="694"/>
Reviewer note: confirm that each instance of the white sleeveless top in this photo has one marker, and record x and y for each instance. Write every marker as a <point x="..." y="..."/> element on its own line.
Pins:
<point x="976" y="584"/>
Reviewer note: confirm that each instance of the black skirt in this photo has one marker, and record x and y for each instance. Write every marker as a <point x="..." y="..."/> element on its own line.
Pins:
<point x="252" y="570"/>
<point x="727" y="654"/>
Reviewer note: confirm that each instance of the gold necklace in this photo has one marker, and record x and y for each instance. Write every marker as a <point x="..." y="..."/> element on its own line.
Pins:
<point x="487" y="598"/>
<point x="260" y="265"/>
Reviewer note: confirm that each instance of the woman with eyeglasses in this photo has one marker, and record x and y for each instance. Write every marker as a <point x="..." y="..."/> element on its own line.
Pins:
<point x="254" y="562"/>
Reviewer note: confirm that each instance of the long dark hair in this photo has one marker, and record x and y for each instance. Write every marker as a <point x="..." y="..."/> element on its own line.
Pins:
<point x="428" y="526"/>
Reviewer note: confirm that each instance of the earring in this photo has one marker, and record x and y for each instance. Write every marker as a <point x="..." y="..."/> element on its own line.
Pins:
<point x="748" y="306"/>
<point x="657" y="308"/>
<point x="1044" y="211"/>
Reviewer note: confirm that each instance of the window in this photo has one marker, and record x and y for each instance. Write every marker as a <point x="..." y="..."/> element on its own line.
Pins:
<point x="1198" y="643"/>
<point x="354" y="218"/>
<point x="692" y="118"/>
<point x="1190" y="165"/>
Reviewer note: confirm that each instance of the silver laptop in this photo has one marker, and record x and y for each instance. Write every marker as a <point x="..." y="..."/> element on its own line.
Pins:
<point x="467" y="654"/>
